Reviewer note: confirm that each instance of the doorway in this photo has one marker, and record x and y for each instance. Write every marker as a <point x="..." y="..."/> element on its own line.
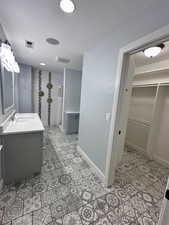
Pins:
<point x="121" y="125"/>
<point x="145" y="161"/>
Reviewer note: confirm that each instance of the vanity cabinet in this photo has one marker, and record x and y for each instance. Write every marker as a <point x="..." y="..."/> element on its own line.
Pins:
<point x="21" y="156"/>
<point x="22" y="140"/>
<point x="71" y="122"/>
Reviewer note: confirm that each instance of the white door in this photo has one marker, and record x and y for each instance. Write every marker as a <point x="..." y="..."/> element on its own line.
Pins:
<point x="164" y="214"/>
<point x="119" y="121"/>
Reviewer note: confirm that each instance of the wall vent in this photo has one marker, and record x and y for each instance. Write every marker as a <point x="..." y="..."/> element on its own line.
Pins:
<point x="62" y="60"/>
<point x="29" y="44"/>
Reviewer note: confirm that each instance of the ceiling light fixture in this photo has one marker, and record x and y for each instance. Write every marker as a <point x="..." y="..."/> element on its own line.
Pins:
<point x="153" y="51"/>
<point x="42" y="64"/>
<point x="68" y="6"/>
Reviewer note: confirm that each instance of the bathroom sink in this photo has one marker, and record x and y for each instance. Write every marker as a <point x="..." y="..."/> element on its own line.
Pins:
<point x="23" y="119"/>
<point x="24" y="123"/>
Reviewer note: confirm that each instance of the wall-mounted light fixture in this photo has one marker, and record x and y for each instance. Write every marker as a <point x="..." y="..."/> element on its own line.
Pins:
<point x="8" y="59"/>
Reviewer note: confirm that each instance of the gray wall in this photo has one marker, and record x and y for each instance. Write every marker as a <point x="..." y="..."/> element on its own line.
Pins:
<point x="24" y="89"/>
<point x="72" y="90"/>
<point x="99" y="76"/>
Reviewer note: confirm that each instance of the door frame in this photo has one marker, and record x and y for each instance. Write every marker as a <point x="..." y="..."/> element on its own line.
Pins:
<point x="122" y="76"/>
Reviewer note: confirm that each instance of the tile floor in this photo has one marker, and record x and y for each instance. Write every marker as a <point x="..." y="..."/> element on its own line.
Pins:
<point x="68" y="192"/>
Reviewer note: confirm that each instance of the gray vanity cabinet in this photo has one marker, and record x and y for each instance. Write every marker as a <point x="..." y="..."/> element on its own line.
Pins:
<point x="71" y="123"/>
<point x="21" y="156"/>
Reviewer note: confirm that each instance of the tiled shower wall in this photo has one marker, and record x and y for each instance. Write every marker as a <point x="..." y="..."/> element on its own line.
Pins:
<point x="57" y="82"/>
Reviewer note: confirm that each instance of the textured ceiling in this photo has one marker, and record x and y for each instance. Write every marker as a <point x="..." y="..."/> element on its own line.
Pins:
<point x="36" y="20"/>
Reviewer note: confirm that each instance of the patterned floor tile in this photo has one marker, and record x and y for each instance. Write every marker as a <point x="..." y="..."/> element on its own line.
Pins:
<point x="1" y="215"/>
<point x="40" y="187"/>
<point x="87" y="196"/>
<point x="7" y="198"/>
<point x="32" y="204"/>
<point x="160" y="186"/>
<point x="24" y="191"/>
<point x="10" y="223"/>
<point x="112" y="200"/>
<point x="122" y="194"/>
<point x="140" y="183"/>
<point x="72" y="219"/>
<point x="13" y="211"/>
<point x="139" y="204"/>
<point x="101" y="206"/>
<point x="152" y="178"/>
<point x="121" y="180"/>
<point x="57" y="222"/>
<point x="146" y="219"/>
<point x="59" y="209"/>
<point x="70" y="192"/>
<point x="58" y="164"/>
<point x="49" y="197"/>
<point x="103" y="220"/>
<point x="65" y="179"/>
<point x="88" y="214"/>
<point x="144" y="168"/>
<point x="48" y="166"/>
<point x="130" y="190"/>
<point x="42" y="216"/>
<point x="24" y="220"/>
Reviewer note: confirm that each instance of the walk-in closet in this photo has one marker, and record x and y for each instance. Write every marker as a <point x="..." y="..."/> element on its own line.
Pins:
<point x="148" y="122"/>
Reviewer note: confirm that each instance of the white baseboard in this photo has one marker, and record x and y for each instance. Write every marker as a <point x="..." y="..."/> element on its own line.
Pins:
<point x="136" y="147"/>
<point x="92" y="164"/>
<point x="61" y="128"/>
<point x="1" y="185"/>
<point x="161" y="161"/>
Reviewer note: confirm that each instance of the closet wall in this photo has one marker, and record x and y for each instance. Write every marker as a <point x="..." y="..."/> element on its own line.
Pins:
<point x="160" y="134"/>
<point x="140" y="116"/>
<point x="148" y="123"/>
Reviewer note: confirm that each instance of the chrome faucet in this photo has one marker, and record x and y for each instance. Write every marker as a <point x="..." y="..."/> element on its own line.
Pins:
<point x="13" y="116"/>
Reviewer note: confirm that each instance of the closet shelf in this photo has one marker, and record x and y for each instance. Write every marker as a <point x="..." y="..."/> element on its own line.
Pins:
<point x="144" y="85"/>
<point x="156" y="71"/>
<point x="150" y="85"/>
<point x="143" y="122"/>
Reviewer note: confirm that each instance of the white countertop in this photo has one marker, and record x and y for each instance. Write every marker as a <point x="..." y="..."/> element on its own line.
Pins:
<point x="72" y="112"/>
<point x="24" y="123"/>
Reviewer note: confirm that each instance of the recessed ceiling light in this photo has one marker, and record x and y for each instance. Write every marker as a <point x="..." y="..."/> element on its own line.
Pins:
<point x="52" y="41"/>
<point x="153" y="51"/>
<point x="68" y="6"/>
<point x="42" y="64"/>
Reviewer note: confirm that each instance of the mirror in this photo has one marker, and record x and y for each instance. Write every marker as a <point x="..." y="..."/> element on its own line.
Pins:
<point x="7" y="89"/>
